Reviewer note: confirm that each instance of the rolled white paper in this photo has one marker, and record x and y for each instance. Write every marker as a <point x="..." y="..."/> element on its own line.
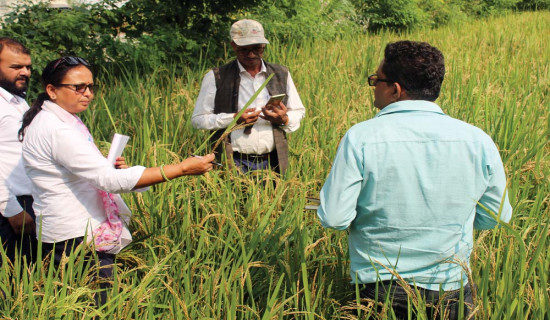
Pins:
<point x="117" y="146"/>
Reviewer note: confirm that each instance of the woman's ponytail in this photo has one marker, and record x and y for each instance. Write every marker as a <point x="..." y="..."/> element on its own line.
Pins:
<point x="31" y="113"/>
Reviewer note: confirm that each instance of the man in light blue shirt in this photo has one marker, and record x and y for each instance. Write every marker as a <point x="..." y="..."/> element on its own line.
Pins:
<point x="411" y="185"/>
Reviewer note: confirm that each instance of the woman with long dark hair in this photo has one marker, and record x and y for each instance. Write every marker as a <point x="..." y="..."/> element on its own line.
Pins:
<point x="74" y="187"/>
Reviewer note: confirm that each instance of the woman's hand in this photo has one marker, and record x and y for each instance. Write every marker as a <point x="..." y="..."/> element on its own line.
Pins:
<point x="120" y="163"/>
<point x="197" y="165"/>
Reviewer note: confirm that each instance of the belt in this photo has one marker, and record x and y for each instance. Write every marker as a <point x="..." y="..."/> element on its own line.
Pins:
<point x="253" y="157"/>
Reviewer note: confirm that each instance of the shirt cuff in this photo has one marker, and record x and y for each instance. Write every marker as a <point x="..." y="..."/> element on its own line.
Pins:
<point x="224" y="120"/>
<point x="292" y="124"/>
<point x="137" y="172"/>
<point x="12" y="208"/>
<point x="125" y="181"/>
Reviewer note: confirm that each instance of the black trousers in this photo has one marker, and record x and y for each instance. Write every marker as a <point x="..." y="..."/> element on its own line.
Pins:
<point x="25" y="244"/>
<point x="102" y="260"/>
<point x="448" y="302"/>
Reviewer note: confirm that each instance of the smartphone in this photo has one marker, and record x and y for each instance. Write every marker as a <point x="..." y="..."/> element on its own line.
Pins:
<point x="274" y="100"/>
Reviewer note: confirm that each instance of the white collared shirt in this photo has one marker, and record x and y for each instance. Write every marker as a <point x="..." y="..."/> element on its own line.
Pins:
<point x="66" y="171"/>
<point x="13" y="180"/>
<point x="260" y="140"/>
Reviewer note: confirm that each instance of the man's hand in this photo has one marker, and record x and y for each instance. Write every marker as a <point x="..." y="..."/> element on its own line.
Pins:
<point x="22" y="222"/>
<point x="249" y="116"/>
<point x="275" y="114"/>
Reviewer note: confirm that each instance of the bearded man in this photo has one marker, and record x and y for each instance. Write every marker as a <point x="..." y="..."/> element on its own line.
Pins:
<point x="17" y="228"/>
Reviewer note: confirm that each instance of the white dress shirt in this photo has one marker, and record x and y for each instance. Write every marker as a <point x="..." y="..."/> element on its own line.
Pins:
<point x="13" y="180"/>
<point x="4" y="196"/>
<point x="66" y="171"/>
<point x="260" y="140"/>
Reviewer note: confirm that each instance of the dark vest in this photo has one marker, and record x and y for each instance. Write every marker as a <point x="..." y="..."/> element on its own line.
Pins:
<point x="227" y="98"/>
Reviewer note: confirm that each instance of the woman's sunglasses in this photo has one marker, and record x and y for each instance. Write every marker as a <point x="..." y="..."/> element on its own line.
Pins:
<point x="79" y="88"/>
<point x="70" y="61"/>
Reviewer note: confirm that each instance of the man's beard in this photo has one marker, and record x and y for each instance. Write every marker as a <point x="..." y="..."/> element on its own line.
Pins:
<point x="12" y="88"/>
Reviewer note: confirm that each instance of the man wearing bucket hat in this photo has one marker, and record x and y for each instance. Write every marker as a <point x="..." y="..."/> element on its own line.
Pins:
<point x="225" y="91"/>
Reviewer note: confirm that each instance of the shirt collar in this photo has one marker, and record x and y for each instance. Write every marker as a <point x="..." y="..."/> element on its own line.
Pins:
<point x="10" y="97"/>
<point x="61" y="113"/>
<point x="410" y="105"/>
<point x="242" y="69"/>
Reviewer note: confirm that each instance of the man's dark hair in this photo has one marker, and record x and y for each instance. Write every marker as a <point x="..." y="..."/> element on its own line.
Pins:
<point x="14" y="45"/>
<point x="417" y="66"/>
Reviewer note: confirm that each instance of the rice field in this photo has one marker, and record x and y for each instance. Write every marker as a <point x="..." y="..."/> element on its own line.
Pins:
<point x="228" y="246"/>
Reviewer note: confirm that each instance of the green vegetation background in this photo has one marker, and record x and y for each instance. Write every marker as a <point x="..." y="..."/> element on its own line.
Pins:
<point x="146" y="34"/>
<point x="226" y="246"/>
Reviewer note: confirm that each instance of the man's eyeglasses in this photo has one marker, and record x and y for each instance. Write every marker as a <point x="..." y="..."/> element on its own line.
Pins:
<point x="246" y="51"/>
<point x="71" y="61"/>
<point x="79" y="88"/>
<point x="373" y="80"/>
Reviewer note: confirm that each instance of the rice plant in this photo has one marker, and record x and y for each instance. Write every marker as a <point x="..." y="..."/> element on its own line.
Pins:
<point x="229" y="246"/>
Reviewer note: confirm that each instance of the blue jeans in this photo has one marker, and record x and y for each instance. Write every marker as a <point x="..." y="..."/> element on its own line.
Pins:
<point x="448" y="302"/>
<point x="253" y="162"/>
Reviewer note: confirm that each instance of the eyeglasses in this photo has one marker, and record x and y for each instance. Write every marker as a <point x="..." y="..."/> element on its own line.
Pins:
<point x="79" y="88"/>
<point x="71" y="61"/>
<point x="246" y="51"/>
<point x="373" y="80"/>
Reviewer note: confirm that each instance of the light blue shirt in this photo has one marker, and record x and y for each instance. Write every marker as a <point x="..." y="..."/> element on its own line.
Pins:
<point x="411" y="184"/>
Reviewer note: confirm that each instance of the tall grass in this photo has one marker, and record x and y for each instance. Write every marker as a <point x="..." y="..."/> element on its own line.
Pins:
<point x="226" y="246"/>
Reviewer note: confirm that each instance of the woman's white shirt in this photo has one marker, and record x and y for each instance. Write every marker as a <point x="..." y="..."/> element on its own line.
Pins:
<point x="65" y="170"/>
